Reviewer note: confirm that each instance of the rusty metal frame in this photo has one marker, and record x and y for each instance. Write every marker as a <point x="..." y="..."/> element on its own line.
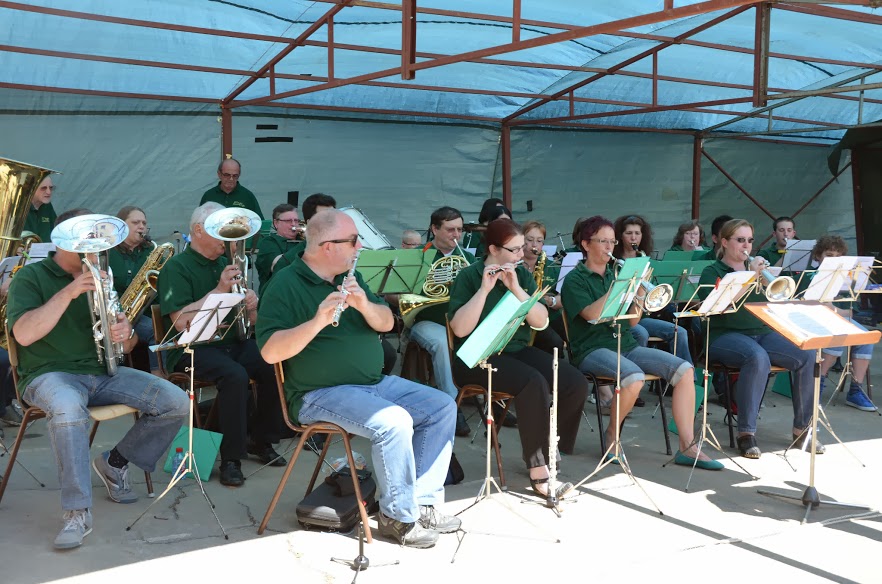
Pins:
<point x="762" y="33"/>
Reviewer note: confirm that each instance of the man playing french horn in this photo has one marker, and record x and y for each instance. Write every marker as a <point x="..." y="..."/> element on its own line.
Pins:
<point x="185" y="282"/>
<point x="60" y="372"/>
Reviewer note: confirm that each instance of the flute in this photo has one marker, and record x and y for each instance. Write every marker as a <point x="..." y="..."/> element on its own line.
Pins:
<point x="500" y="268"/>
<point x="339" y="309"/>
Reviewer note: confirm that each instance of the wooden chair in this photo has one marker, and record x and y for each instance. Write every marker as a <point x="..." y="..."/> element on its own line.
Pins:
<point x="474" y="390"/>
<point x="329" y="430"/>
<point x="597" y="381"/>
<point x="416" y="364"/>
<point x="32" y="413"/>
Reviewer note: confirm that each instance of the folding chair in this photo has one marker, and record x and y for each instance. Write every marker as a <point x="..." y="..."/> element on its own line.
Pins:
<point x="32" y="413"/>
<point x="329" y="430"/>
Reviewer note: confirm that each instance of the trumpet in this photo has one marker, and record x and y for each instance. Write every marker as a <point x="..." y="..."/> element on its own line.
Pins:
<point x="656" y="296"/>
<point x="501" y="268"/>
<point x="338" y="310"/>
<point x="637" y="249"/>
<point x="775" y="289"/>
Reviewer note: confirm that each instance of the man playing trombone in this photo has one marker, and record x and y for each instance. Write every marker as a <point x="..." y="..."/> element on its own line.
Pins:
<point x="185" y="282"/>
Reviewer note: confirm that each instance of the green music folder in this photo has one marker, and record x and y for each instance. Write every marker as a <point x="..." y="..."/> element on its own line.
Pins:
<point x="394" y="271"/>
<point x="683" y="276"/>
<point x="622" y="292"/>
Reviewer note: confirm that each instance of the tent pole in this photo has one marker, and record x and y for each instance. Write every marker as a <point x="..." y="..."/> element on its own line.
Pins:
<point x="226" y="132"/>
<point x="506" y="165"/>
<point x="696" y="176"/>
<point x="858" y="205"/>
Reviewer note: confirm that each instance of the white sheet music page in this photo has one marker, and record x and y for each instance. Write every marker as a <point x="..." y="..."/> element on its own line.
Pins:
<point x="566" y="266"/>
<point x="831" y="277"/>
<point x="202" y="331"/>
<point x="727" y="291"/>
<point x="810" y="321"/>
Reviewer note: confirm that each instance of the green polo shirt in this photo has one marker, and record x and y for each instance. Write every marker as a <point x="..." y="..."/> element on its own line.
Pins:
<point x="41" y="221"/>
<point x="711" y="255"/>
<point x="184" y="279"/>
<point x="69" y="347"/>
<point x="270" y="247"/>
<point x="771" y="253"/>
<point x="742" y="321"/>
<point x="240" y="197"/>
<point x="437" y="312"/>
<point x="582" y="287"/>
<point x="125" y="264"/>
<point x="468" y="282"/>
<point x="349" y="354"/>
<point x="549" y="278"/>
<point x="677" y="248"/>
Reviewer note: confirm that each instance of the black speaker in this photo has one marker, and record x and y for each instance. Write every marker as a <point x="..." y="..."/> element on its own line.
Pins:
<point x="293" y="197"/>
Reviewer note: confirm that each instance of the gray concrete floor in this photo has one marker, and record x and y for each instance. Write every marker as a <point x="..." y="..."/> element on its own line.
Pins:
<point x="721" y="531"/>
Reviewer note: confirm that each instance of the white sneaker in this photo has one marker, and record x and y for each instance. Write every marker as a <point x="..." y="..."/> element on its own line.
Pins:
<point x="77" y="525"/>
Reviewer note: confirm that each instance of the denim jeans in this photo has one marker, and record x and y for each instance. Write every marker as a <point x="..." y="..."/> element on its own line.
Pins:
<point x="857" y="351"/>
<point x="65" y="398"/>
<point x="654" y="327"/>
<point x="634" y="363"/>
<point x="410" y="427"/>
<point x="7" y="388"/>
<point x="432" y="337"/>
<point x="754" y="356"/>
<point x="144" y="330"/>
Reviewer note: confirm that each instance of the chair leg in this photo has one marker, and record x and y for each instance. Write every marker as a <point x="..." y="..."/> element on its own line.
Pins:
<point x="278" y="494"/>
<point x="497" y="449"/>
<point x="92" y="432"/>
<point x="600" y="429"/>
<point x="727" y="396"/>
<point x="30" y="415"/>
<point x="664" y="416"/>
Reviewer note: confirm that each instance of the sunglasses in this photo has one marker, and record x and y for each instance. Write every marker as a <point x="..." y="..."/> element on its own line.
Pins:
<point x="350" y="240"/>
<point x="743" y="239"/>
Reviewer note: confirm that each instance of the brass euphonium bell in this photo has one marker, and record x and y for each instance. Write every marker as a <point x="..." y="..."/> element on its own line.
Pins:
<point x="775" y="289"/>
<point x="657" y="296"/>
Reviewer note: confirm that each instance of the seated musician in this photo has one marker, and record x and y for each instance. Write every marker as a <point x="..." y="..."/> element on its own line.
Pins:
<point x="332" y="374"/>
<point x="125" y="261"/>
<point x="493" y="213"/>
<point x="473" y="231"/>
<point x="552" y="336"/>
<point x="740" y="340"/>
<point x="41" y="216"/>
<point x="634" y="237"/>
<point x="410" y="239"/>
<point x="280" y="248"/>
<point x="832" y="246"/>
<point x="716" y="225"/>
<point x="689" y="237"/>
<point x="524" y="371"/>
<point x="184" y="284"/>
<point x="59" y="372"/>
<point x="784" y="230"/>
<point x="584" y="293"/>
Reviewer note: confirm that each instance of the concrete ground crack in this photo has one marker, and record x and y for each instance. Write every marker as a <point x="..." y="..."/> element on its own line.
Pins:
<point x="181" y="495"/>
<point x="251" y="517"/>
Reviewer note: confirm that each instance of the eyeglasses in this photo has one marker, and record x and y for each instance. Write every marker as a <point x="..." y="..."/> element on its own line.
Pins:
<point x="513" y="249"/>
<point x="612" y="242"/>
<point x="743" y="239"/>
<point x="289" y="221"/>
<point x="350" y="240"/>
<point x="228" y="175"/>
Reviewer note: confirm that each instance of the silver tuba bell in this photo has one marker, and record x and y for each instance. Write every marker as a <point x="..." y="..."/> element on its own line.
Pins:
<point x="93" y="235"/>
<point x="229" y="225"/>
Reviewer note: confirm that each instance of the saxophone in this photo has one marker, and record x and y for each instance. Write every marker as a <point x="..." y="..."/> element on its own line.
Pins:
<point x="142" y="290"/>
<point x="539" y="271"/>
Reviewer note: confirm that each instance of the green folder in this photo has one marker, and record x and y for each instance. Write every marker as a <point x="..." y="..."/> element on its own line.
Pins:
<point x="394" y="271"/>
<point x="634" y="269"/>
<point x="683" y="276"/>
<point x="496" y="330"/>
<point x="205" y="446"/>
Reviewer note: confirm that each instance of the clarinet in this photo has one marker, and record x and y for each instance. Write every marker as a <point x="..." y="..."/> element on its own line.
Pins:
<point x="553" y="438"/>
<point x="339" y="309"/>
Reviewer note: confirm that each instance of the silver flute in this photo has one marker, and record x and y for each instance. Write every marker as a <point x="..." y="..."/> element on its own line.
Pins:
<point x="500" y="268"/>
<point x="339" y="309"/>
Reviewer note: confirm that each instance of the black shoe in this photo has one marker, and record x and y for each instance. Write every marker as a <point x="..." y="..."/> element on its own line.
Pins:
<point x="462" y="427"/>
<point x="509" y="421"/>
<point x="266" y="454"/>
<point x="639" y="403"/>
<point x="231" y="473"/>
<point x="406" y="534"/>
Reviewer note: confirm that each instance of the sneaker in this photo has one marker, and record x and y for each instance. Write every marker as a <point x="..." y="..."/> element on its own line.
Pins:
<point x="406" y="534"/>
<point x="77" y="525"/>
<point x="12" y="416"/>
<point x="431" y="518"/>
<point x="115" y="479"/>
<point x="856" y="398"/>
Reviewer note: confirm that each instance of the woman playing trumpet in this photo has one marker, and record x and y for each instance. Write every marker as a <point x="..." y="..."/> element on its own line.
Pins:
<point x="740" y="340"/>
<point x="522" y="370"/>
<point x="584" y="293"/>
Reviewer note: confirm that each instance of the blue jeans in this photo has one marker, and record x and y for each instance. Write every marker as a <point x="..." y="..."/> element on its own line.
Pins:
<point x="654" y="327"/>
<point x="410" y="427"/>
<point x="144" y="330"/>
<point x="65" y="398"/>
<point x="634" y="363"/>
<point x="754" y="356"/>
<point x="432" y="337"/>
<point x="857" y="351"/>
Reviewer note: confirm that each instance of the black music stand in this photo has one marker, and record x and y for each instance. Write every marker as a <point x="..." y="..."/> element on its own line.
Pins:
<point x="811" y="326"/>
<point x="209" y="321"/>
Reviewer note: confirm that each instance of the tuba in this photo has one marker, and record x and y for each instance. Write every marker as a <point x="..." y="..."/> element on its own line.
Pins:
<point x="229" y="225"/>
<point x="436" y="288"/>
<point x="94" y="235"/>
<point x="142" y="290"/>
<point x="18" y="183"/>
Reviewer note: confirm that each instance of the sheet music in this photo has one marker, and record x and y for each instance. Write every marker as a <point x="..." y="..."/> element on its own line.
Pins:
<point x="862" y="275"/>
<point x="549" y="250"/>
<point x="202" y="330"/>
<point x="6" y="267"/>
<point x="728" y="291"/>
<point x="41" y="250"/>
<point x="831" y="278"/>
<point x="798" y="254"/>
<point x="570" y="261"/>
<point x="810" y="321"/>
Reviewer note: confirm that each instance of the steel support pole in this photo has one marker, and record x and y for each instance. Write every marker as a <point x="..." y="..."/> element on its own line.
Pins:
<point x="696" y="176"/>
<point x="505" y="144"/>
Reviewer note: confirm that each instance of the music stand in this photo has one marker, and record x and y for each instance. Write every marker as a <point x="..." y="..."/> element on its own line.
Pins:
<point x="811" y="326"/>
<point x="208" y="320"/>
<point x="725" y="297"/>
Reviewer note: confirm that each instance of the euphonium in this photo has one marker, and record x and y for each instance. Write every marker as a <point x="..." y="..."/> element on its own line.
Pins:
<point x="18" y="183"/>
<point x="142" y="290"/>
<point x="775" y="289"/>
<point x="657" y="296"/>
<point x="229" y="225"/>
<point x="436" y="288"/>
<point x="91" y="235"/>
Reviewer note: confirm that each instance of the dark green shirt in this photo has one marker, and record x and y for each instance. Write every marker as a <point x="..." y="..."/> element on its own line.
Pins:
<point x="240" y="197"/>
<point x="437" y="312"/>
<point x="69" y="347"/>
<point x="676" y="248"/>
<point x="270" y="247"/>
<point x="468" y="282"/>
<point x="771" y="253"/>
<point x="711" y="255"/>
<point x="742" y="321"/>
<point x="185" y="278"/>
<point x="41" y="221"/>
<point x="349" y="354"/>
<point x="583" y="287"/>
<point x="125" y="265"/>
